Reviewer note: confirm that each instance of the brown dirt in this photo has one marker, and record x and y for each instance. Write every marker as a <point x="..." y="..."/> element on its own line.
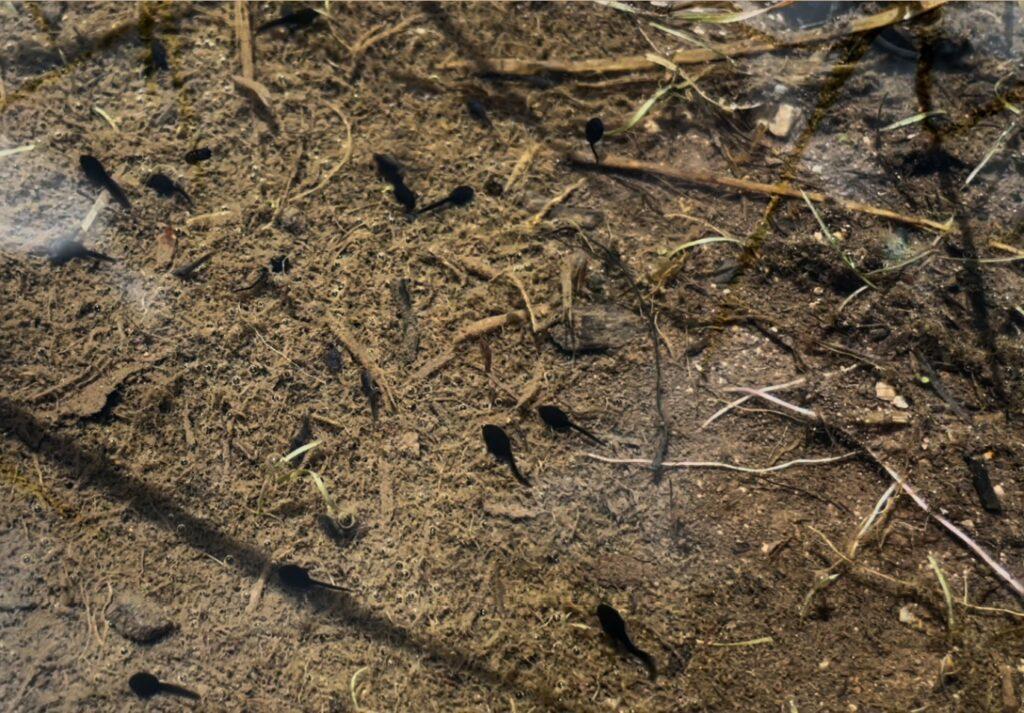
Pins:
<point x="143" y="414"/>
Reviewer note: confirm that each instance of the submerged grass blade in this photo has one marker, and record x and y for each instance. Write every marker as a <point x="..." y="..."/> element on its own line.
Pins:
<point x="835" y="243"/>
<point x="703" y="241"/>
<point x="641" y="112"/>
<point x="947" y="593"/>
<point x="299" y="451"/>
<point x="691" y="38"/>
<point x="4" y="153"/>
<point x="912" y="119"/>
<point x="998" y="144"/>
<point x="725" y="18"/>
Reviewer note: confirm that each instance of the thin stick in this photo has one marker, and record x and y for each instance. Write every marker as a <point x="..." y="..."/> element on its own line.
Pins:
<point x="774" y="399"/>
<point x="706" y="178"/>
<point x="243" y="31"/>
<point x="530" y="225"/>
<point x="721" y="466"/>
<point x="947" y="594"/>
<point x="740" y="401"/>
<point x="343" y="335"/>
<point x="345" y="158"/>
<point x="953" y="529"/>
<point x="713" y="53"/>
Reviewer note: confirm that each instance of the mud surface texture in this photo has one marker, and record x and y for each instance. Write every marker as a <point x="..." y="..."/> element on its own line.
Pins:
<point x="146" y="403"/>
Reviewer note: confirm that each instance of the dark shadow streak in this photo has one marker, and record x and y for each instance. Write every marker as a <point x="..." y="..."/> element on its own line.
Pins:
<point x="973" y="281"/>
<point x="96" y="470"/>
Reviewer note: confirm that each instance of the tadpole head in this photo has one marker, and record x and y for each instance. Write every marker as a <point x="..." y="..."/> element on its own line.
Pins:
<point x="461" y="195"/>
<point x="405" y="197"/>
<point x="294" y="576"/>
<point x="497" y="441"/>
<point x="595" y="130"/>
<point x="144" y="685"/>
<point x="611" y="621"/>
<point x="554" y="417"/>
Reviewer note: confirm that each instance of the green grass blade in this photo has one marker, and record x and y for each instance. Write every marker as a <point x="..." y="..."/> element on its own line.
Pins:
<point x="912" y="120"/>
<point x="835" y="243"/>
<point x="641" y="112"/>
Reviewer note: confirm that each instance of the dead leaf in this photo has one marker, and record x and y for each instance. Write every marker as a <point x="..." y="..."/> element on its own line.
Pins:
<point x="166" y="247"/>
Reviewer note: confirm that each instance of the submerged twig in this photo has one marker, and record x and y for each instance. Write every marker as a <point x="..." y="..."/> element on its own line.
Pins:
<point x="712" y="53"/>
<point x="706" y="178"/>
<point x="721" y="466"/>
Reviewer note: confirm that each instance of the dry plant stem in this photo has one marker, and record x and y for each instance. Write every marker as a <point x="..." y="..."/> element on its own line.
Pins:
<point x="361" y="45"/>
<point x="721" y="466"/>
<point x="243" y="32"/>
<point x="521" y="167"/>
<point x="475" y="329"/>
<point x="521" y="67"/>
<point x="706" y="178"/>
<point x="345" y="157"/>
<point x="742" y="400"/>
<point x="959" y="534"/>
<point x="775" y="400"/>
<point x="531" y="225"/>
<point x="358" y="351"/>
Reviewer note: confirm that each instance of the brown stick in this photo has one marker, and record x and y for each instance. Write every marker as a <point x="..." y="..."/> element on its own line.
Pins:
<point x="639" y="63"/>
<point x="357" y="350"/>
<point x="706" y="178"/>
<point x="243" y="30"/>
<point x="474" y="329"/>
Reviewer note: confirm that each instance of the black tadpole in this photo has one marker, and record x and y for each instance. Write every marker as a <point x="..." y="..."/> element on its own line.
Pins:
<point x="296" y="577"/>
<point x="372" y="393"/>
<point x="64" y="250"/>
<point x="499" y="446"/>
<point x="198" y="155"/>
<point x="185" y="271"/>
<point x="615" y="627"/>
<point x="558" y="420"/>
<point x="303" y="436"/>
<point x="157" y="60"/>
<point x="167" y="187"/>
<point x="388" y="168"/>
<point x="99" y="177"/>
<point x="595" y="130"/>
<point x="146" y="685"/>
<point x="460" y="196"/>
<point x="478" y="111"/>
<point x="292" y="21"/>
<point x="405" y="197"/>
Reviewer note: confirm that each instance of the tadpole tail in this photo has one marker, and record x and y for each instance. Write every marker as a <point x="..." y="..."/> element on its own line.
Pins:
<point x="99" y="256"/>
<point x="597" y="159"/>
<point x="588" y="434"/>
<point x="432" y="206"/>
<point x="515" y="471"/>
<point x="179" y="691"/>
<point x="332" y="587"/>
<point x="645" y="658"/>
<point x="270" y="25"/>
<point x="117" y="193"/>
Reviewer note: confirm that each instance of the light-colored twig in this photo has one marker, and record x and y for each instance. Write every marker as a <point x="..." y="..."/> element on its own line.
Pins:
<point x="527" y="67"/>
<point x="743" y="399"/>
<point x="345" y="158"/>
<point x="773" y="399"/>
<point x="959" y="534"/>
<point x="706" y="178"/>
<point x="721" y="466"/>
